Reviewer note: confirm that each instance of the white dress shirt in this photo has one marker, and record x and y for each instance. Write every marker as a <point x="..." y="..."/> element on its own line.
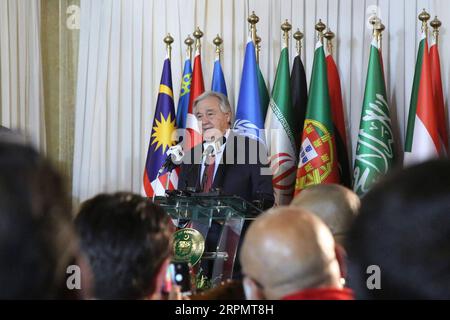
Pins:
<point x="217" y="159"/>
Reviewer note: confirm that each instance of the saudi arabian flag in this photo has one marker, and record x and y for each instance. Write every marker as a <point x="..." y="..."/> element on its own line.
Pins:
<point x="422" y="141"/>
<point x="375" y="148"/>
<point x="280" y="138"/>
<point x="318" y="162"/>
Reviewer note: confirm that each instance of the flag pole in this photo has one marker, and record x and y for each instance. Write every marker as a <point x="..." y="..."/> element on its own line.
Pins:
<point x="286" y="27"/>
<point x="320" y="26"/>
<point x="298" y="36"/>
<point x="329" y="35"/>
<point x="198" y="34"/>
<point x="424" y="16"/>
<point x="379" y="28"/>
<point x="374" y="20"/>
<point x="168" y="40"/>
<point x="258" y="48"/>
<point x="253" y="19"/>
<point x="436" y="24"/>
<point x="189" y="42"/>
<point x="218" y="42"/>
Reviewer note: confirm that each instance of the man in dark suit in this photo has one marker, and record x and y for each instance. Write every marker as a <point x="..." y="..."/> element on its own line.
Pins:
<point x="238" y="165"/>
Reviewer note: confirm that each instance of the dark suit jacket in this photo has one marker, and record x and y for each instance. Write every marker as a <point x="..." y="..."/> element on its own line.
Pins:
<point x="241" y="171"/>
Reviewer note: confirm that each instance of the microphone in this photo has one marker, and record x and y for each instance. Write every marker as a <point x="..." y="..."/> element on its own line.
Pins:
<point x="173" y="158"/>
<point x="212" y="146"/>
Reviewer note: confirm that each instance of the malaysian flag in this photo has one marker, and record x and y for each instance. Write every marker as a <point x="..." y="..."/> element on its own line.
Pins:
<point x="161" y="139"/>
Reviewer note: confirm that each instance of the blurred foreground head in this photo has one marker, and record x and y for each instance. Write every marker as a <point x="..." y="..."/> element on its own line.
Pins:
<point x="128" y="242"/>
<point x="37" y="240"/>
<point x="402" y="234"/>
<point x="287" y="250"/>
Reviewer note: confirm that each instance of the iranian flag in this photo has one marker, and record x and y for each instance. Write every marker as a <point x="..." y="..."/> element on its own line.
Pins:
<point x="438" y="94"/>
<point x="422" y="136"/>
<point x="280" y="138"/>
<point x="318" y="161"/>
<point x="375" y="148"/>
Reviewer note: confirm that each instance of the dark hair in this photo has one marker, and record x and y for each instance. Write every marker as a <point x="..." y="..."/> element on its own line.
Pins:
<point x="126" y="238"/>
<point x="37" y="240"/>
<point x="404" y="228"/>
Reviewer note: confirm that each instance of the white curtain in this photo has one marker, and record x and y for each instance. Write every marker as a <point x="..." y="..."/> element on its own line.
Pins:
<point x="122" y="52"/>
<point x="21" y="85"/>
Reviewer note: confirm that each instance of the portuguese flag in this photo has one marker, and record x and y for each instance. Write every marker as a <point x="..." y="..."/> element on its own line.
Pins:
<point x="318" y="162"/>
<point x="375" y="148"/>
<point x="422" y="136"/>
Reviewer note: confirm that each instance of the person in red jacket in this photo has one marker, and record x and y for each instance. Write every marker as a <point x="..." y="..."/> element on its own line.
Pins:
<point x="289" y="254"/>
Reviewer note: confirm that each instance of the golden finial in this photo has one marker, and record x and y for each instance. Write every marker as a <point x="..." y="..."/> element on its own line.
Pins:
<point x="298" y="36"/>
<point x="198" y="34"/>
<point x="436" y="24"/>
<point x="329" y="35"/>
<point x="424" y="16"/>
<point x="381" y="27"/>
<point x="286" y="27"/>
<point x="373" y="20"/>
<point x="258" y="48"/>
<point x="168" y="40"/>
<point x="320" y="26"/>
<point x="218" y="42"/>
<point x="189" y="42"/>
<point x="253" y="20"/>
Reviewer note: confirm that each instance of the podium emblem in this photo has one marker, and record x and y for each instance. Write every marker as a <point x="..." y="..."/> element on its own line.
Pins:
<point x="188" y="246"/>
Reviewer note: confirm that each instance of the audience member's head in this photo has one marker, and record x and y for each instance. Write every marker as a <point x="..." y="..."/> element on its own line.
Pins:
<point x="404" y="230"/>
<point x="37" y="239"/>
<point x="127" y="240"/>
<point x="286" y="251"/>
<point x="336" y="205"/>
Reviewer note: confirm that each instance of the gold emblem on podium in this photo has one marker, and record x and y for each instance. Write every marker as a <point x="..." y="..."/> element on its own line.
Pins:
<point x="188" y="246"/>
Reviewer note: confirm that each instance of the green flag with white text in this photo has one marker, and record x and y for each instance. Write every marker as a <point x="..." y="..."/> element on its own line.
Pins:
<point x="375" y="148"/>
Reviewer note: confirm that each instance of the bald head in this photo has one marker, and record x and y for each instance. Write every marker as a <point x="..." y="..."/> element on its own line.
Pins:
<point x="289" y="249"/>
<point x="336" y="205"/>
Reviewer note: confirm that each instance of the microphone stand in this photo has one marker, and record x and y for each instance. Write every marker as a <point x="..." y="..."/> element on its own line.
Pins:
<point x="168" y="180"/>
<point x="154" y="193"/>
<point x="169" y="169"/>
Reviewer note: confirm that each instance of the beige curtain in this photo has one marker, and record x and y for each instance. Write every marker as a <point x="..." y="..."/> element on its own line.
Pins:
<point x="38" y="63"/>
<point x="60" y="36"/>
<point x="21" y="86"/>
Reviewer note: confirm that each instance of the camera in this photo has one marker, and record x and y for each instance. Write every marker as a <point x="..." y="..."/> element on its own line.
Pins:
<point x="181" y="275"/>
